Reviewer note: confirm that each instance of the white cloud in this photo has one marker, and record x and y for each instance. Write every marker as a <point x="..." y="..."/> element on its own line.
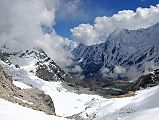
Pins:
<point x="119" y="70"/>
<point x="85" y="33"/>
<point x="126" y="19"/>
<point x="132" y="73"/>
<point x="21" y="20"/>
<point x="104" y="71"/>
<point x="150" y="66"/>
<point x="53" y="45"/>
<point x="76" y="69"/>
<point x="20" y="27"/>
<point x="70" y="10"/>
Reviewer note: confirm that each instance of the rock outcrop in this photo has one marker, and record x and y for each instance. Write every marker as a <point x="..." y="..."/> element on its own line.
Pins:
<point x="148" y="80"/>
<point x="32" y="97"/>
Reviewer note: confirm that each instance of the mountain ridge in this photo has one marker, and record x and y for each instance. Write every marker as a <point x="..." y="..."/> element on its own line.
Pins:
<point x="130" y="49"/>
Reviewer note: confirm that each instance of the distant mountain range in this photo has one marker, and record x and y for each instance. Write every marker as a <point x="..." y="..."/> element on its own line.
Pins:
<point x="124" y="55"/>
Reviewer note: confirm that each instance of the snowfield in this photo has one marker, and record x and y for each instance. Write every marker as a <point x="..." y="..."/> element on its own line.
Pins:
<point x="21" y="85"/>
<point x="144" y="105"/>
<point x="144" y="115"/>
<point x="10" y="111"/>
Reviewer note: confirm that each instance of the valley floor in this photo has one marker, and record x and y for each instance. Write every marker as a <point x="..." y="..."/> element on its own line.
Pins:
<point x="70" y="105"/>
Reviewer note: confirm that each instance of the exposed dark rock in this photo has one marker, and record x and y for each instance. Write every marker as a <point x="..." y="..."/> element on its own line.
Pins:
<point x="148" y="80"/>
<point x="17" y="66"/>
<point x="48" y="101"/>
<point x="43" y="73"/>
<point x="4" y="57"/>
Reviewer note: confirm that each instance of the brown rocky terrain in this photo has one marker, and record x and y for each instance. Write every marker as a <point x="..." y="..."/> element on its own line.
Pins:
<point x="31" y="98"/>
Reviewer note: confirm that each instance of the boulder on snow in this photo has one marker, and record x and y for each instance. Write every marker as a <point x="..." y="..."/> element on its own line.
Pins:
<point x="17" y="66"/>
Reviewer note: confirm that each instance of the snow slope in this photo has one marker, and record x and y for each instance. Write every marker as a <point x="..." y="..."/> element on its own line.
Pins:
<point x="69" y="103"/>
<point x="144" y="115"/>
<point x="113" y="109"/>
<point x="66" y="103"/>
<point x="10" y="111"/>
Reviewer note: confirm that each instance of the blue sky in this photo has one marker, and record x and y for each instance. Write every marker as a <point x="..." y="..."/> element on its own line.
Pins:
<point x="85" y="11"/>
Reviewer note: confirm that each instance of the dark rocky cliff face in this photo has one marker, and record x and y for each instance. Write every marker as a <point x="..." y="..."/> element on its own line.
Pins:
<point x="135" y="50"/>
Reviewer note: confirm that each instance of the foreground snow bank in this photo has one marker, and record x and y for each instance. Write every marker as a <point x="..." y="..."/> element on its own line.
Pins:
<point x="10" y="111"/>
<point x="118" y="108"/>
<point x="151" y="114"/>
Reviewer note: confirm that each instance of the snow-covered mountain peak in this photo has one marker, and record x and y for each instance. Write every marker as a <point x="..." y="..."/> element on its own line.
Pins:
<point x="131" y="49"/>
<point x="38" y="63"/>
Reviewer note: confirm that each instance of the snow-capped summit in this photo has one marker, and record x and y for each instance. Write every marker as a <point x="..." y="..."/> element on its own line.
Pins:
<point x="36" y="62"/>
<point x="134" y="50"/>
